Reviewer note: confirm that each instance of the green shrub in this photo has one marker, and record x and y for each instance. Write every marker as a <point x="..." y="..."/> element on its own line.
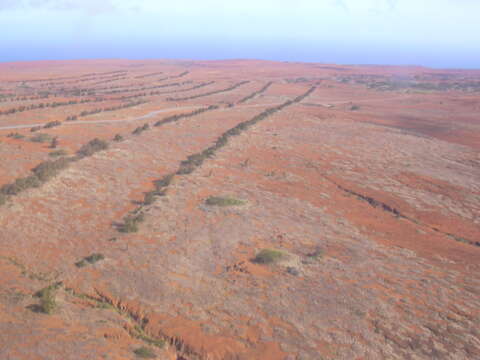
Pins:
<point x="268" y="256"/>
<point x="118" y="138"/>
<point x="35" y="128"/>
<point x="47" y="298"/>
<point x="92" y="147"/>
<point x="223" y="201"/>
<point x="3" y="199"/>
<point x="145" y="353"/>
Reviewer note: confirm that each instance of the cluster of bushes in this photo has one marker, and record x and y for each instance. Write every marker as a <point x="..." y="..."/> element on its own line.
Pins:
<point x="72" y="118"/>
<point x="113" y="108"/>
<point x="49" y="169"/>
<point x="177" y="117"/>
<point x="141" y="129"/>
<point x="179" y="75"/>
<point x="13" y="97"/>
<point x="52" y="124"/>
<point x="15" y="135"/>
<point x="92" y="147"/>
<point x="47" y="296"/>
<point x="252" y="95"/>
<point x="148" y="88"/>
<point x="195" y="160"/>
<point x="184" y="90"/>
<point x="42" y="173"/>
<point x="233" y="87"/>
<point x="48" y="105"/>
<point x="148" y="75"/>
<point x="109" y="80"/>
<point x="395" y="85"/>
<point x="36" y="128"/>
<point x="131" y="222"/>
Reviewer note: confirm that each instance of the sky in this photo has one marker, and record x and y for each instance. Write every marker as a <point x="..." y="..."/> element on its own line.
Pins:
<point x="435" y="33"/>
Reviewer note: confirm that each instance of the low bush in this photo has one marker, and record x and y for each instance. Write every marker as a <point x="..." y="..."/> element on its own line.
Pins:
<point x="118" y="138"/>
<point x="268" y="256"/>
<point x="58" y="153"/>
<point x="52" y="124"/>
<point x="47" y="298"/>
<point x="92" y="259"/>
<point x="145" y="353"/>
<point x="41" y="138"/>
<point x="3" y="199"/>
<point x="35" y="128"/>
<point x="223" y="201"/>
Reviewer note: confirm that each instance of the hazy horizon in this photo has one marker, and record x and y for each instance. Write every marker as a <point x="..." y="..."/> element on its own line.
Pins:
<point x="439" y="34"/>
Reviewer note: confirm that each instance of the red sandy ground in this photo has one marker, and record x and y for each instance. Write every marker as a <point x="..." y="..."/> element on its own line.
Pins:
<point x="383" y="287"/>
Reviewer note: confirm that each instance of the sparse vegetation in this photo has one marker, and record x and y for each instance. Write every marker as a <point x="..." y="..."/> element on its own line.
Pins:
<point x="41" y="138"/>
<point x="223" y="201"/>
<point x="268" y="256"/>
<point x="233" y="87"/>
<point x="145" y="353"/>
<point x="252" y="95"/>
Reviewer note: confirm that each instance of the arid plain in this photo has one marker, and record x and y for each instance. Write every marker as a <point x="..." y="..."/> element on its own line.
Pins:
<point x="210" y="210"/>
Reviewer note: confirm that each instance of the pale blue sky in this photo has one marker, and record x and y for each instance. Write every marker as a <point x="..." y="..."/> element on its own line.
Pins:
<point x="438" y="33"/>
